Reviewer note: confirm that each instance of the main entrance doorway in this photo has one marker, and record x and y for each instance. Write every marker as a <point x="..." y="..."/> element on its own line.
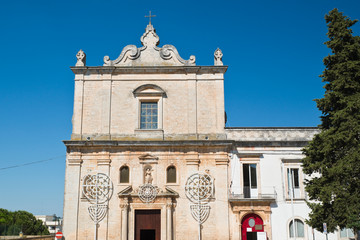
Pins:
<point x="147" y="224"/>
<point x="250" y="226"/>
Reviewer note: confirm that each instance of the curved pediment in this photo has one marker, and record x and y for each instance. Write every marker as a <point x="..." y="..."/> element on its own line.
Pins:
<point x="149" y="54"/>
<point x="149" y="90"/>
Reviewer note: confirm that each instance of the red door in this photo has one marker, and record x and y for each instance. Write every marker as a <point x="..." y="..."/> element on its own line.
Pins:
<point x="250" y="225"/>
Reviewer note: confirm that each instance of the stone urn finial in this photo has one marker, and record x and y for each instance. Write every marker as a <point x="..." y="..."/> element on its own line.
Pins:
<point x="218" y="57"/>
<point x="81" y="59"/>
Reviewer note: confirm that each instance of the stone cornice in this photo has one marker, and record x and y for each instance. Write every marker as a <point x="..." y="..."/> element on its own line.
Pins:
<point x="227" y="144"/>
<point x="148" y="69"/>
<point x="110" y="143"/>
<point x="271" y="134"/>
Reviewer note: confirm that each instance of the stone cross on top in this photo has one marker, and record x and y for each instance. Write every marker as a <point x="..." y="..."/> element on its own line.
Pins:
<point x="150" y="16"/>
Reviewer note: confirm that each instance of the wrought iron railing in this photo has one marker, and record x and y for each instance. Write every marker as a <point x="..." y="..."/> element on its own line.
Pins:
<point x="246" y="193"/>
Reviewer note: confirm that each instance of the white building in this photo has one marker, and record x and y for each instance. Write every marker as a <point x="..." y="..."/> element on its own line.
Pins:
<point x="52" y="222"/>
<point x="263" y="162"/>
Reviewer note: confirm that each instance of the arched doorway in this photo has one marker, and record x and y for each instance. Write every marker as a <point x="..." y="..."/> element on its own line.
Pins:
<point x="250" y="226"/>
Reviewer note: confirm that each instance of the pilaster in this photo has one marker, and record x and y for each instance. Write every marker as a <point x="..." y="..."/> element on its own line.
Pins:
<point x="169" y="219"/>
<point x="72" y="195"/>
<point x="124" y="205"/>
<point x="221" y="195"/>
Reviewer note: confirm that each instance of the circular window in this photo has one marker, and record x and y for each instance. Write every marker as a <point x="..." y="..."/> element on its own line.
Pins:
<point x="251" y="222"/>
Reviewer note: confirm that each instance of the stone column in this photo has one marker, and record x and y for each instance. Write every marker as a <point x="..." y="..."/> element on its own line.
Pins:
<point x="169" y="220"/>
<point x="124" y="205"/>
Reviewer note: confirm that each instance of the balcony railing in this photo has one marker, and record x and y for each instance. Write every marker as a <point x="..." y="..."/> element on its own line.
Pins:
<point x="248" y="194"/>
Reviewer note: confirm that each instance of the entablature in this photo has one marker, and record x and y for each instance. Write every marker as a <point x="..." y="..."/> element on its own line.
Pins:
<point x="86" y="70"/>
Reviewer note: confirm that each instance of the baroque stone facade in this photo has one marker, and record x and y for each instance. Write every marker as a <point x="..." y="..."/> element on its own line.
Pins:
<point x="149" y="120"/>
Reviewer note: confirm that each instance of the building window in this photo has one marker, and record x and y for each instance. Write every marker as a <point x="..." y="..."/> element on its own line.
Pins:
<point x="150" y="100"/>
<point x="171" y="174"/>
<point x="149" y="115"/>
<point x="124" y="174"/>
<point x="298" y="228"/>
<point x="293" y="182"/>
<point x="346" y="233"/>
<point x="250" y="180"/>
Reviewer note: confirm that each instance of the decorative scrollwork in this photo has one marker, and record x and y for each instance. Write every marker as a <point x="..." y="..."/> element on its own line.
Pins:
<point x="169" y="51"/>
<point x="147" y="192"/>
<point x="130" y="51"/>
<point x="133" y="56"/>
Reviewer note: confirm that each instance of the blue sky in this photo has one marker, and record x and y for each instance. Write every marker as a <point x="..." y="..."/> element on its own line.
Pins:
<point x="274" y="50"/>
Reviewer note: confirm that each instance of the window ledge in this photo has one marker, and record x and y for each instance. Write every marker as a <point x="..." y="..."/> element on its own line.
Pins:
<point x="150" y="134"/>
<point x="124" y="184"/>
<point x="139" y="130"/>
<point x="172" y="184"/>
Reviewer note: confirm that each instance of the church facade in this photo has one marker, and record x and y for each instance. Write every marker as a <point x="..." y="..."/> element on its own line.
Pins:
<point x="150" y="157"/>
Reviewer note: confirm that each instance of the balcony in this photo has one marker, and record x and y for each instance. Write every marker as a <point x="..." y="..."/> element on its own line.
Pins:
<point x="247" y="194"/>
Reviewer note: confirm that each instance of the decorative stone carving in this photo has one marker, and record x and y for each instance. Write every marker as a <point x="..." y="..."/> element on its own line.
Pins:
<point x="148" y="178"/>
<point x="124" y="204"/>
<point x="98" y="189"/>
<point x="147" y="192"/>
<point x="81" y="59"/>
<point x="169" y="205"/>
<point x="199" y="188"/>
<point x="218" y="57"/>
<point x="149" y="54"/>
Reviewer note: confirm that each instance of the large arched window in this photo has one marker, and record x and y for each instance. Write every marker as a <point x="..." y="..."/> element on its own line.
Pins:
<point x="171" y="174"/>
<point x="298" y="228"/>
<point x="124" y="174"/>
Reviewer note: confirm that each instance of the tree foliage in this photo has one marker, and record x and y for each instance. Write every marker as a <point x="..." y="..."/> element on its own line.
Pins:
<point x="333" y="156"/>
<point x="11" y="223"/>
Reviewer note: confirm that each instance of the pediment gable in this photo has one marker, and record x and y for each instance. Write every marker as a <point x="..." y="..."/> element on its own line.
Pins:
<point x="148" y="158"/>
<point x="149" y="54"/>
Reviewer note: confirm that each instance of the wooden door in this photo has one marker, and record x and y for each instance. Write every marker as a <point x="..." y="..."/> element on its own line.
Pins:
<point x="147" y="225"/>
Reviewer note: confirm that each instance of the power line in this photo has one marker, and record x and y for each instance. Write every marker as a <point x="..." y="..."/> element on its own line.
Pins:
<point x="31" y="163"/>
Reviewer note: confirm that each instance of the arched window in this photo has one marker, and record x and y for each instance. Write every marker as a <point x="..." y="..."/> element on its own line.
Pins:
<point x="298" y="228"/>
<point x="171" y="174"/>
<point x="124" y="174"/>
<point x="150" y="105"/>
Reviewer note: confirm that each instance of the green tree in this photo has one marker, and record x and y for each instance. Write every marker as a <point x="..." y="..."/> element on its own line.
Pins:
<point x="333" y="156"/>
<point x="11" y="223"/>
